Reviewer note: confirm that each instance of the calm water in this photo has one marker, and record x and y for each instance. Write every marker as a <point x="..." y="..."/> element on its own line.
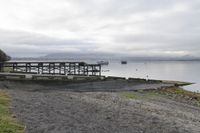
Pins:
<point x="165" y="70"/>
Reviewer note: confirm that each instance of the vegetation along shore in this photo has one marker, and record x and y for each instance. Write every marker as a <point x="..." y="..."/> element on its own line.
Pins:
<point x="8" y="123"/>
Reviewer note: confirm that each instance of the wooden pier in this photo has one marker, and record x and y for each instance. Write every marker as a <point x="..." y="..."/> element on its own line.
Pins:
<point x="53" y="68"/>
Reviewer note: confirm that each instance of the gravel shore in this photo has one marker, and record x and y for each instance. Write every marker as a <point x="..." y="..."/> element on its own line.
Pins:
<point x="60" y="111"/>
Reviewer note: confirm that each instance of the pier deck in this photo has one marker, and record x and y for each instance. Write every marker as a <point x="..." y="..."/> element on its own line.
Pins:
<point x="54" y="68"/>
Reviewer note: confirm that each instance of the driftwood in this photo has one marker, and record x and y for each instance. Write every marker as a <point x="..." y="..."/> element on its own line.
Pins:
<point x="4" y="56"/>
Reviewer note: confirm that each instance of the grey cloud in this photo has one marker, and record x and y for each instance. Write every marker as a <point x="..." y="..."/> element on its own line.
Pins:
<point x="20" y="37"/>
<point x="115" y="26"/>
<point x="172" y="42"/>
<point x="19" y="43"/>
<point x="99" y="11"/>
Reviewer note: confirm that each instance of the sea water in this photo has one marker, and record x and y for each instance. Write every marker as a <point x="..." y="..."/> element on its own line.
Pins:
<point x="188" y="71"/>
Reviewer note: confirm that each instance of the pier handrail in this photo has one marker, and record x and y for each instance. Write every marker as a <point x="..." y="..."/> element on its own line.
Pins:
<point x="52" y="67"/>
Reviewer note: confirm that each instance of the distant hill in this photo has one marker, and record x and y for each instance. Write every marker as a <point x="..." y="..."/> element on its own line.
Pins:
<point x="106" y="56"/>
<point x="78" y="56"/>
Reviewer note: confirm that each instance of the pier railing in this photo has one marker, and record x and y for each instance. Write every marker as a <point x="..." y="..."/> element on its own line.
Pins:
<point x="59" y="68"/>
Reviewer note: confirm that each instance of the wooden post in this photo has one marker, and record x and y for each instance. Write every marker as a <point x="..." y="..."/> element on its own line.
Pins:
<point x="38" y="68"/>
<point x="54" y="67"/>
<point x="74" y="68"/>
<point x="99" y="69"/>
<point x="59" y="67"/>
<point x="92" y="70"/>
<point x="87" y="67"/>
<point x="26" y="69"/>
<point x="29" y="67"/>
<point x="42" y="68"/>
<point x="1" y="67"/>
<point x="49" y="68"/>
<point x="65" y="68"/>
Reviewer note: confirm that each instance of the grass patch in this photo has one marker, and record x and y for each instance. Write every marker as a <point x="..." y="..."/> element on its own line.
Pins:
<point x="140" y="94"/>
<point x="130" y="95"/>
<point x="7" y="69"/>
<point x="175" y="93"/>
<point x="181" y="93"/>
<point x="7" y="123"/>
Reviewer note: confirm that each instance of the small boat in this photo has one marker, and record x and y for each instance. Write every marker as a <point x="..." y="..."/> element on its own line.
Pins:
<point x="123" y="62"/>
<point x="103" y="62"/>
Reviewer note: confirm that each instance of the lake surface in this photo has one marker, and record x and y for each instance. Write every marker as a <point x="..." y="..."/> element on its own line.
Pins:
<point x="165" y="70"/>
<point x="188" y="71"/>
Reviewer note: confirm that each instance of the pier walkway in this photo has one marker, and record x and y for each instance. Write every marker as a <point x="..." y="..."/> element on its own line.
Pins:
<point x="53" y="68"/>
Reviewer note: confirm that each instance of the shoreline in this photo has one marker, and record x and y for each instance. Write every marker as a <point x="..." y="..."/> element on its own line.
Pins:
<point x="83" y="83"/>
<point x="108" y="105"/>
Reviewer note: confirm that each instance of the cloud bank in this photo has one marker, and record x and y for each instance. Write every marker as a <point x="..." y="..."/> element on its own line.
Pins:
<point x="128" y="27"/>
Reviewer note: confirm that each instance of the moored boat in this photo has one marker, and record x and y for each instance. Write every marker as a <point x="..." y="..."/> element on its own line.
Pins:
<point x="123" y="62"/>
<point x="103" y="62"/>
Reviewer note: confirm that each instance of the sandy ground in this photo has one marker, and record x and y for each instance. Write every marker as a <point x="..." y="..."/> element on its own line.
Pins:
<point x="60" y="111"/>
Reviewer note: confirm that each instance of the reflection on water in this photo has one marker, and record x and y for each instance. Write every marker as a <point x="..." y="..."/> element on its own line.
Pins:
<point x="165" y="70"/>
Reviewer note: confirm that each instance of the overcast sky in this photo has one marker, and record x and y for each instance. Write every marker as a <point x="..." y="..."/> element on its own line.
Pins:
<point x="132" y="27"/>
